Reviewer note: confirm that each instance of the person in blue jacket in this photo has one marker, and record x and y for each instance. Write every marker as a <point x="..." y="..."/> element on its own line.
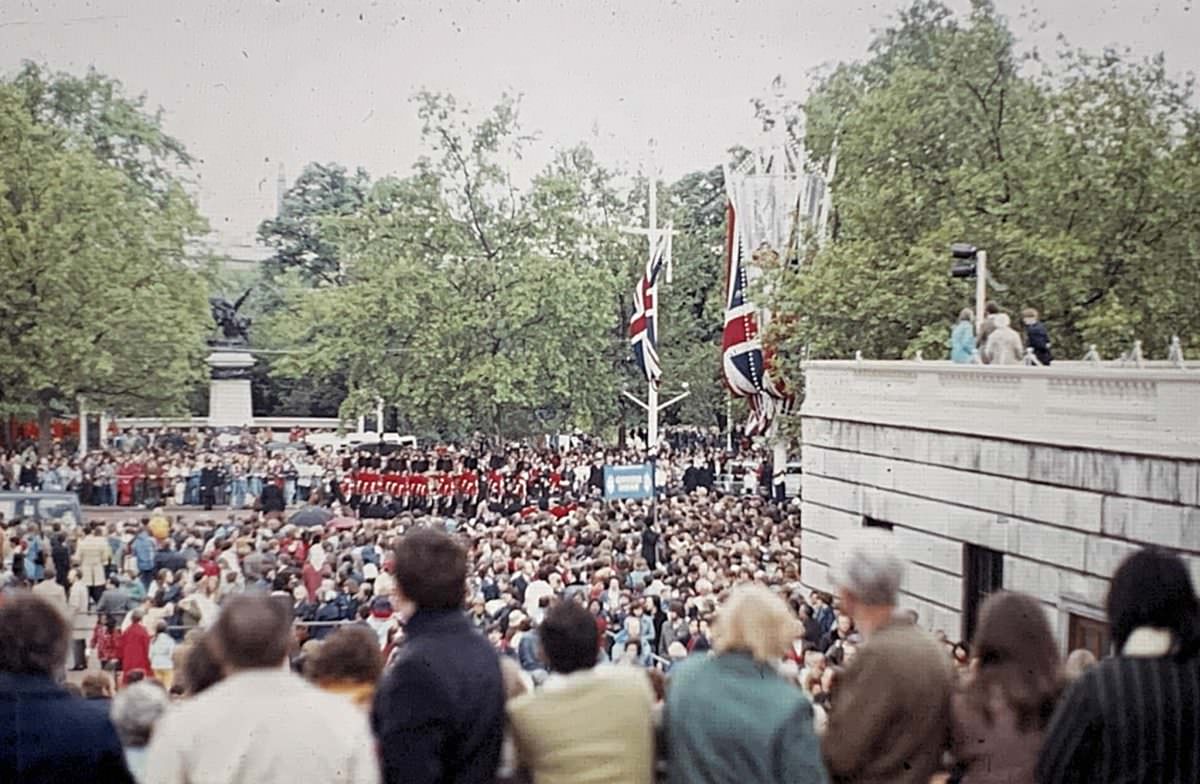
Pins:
<point x="962" y="338"/>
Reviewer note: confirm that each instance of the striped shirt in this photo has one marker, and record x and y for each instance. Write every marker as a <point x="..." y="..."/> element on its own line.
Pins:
<point x="1127" y="720"/>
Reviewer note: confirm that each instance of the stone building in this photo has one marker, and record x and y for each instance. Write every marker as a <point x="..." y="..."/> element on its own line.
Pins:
<point x="1026" y="478"/>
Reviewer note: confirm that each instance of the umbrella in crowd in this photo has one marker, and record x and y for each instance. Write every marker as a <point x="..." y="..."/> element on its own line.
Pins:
<point x="342" y="524"/>
<point x="311" y="516"/>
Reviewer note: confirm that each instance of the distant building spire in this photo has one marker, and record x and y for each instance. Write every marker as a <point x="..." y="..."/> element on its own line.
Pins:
<point x="280" y="189"/>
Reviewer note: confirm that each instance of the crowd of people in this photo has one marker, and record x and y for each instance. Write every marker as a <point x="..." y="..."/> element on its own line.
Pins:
<point x="247" y="468"/>
<point x="586" y="641"/>
<point x="998" y="342"/>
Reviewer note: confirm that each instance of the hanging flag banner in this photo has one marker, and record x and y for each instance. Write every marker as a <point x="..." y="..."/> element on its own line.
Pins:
<point x="643" y="324"/>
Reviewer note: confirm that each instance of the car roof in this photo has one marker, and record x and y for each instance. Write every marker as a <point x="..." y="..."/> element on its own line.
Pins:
<point x="10" y="494"/>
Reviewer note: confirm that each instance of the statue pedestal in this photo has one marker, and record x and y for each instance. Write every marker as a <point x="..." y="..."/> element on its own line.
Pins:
<point x="229" y="401"/>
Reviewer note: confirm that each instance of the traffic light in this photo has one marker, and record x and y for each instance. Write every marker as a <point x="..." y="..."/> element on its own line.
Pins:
<point x="964" y="260"/>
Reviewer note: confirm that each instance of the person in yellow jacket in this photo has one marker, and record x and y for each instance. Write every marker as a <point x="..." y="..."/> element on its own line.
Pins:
<point x="160" y="526"/>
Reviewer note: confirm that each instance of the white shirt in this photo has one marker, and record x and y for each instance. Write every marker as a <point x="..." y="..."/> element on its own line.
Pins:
<point x="266" y="727"/>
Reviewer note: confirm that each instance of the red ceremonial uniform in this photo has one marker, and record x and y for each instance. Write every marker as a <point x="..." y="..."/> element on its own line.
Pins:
<point x="368" y="483"/>
<point x="446" y="485"/>
<point x="495" y="485"/>
<point x="418" y="486"/>
<point x="468" y="483"/>
<point x="391" y="484"/>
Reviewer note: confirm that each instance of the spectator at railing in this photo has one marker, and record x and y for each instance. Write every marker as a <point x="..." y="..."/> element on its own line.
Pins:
<point x="587" y="723"/>
<point x="900" y="671"/>
<point x="261" y="723"/>
<point x="439" y="713"/>
<point x="1135" y="717"/>
<point x="731" y="717"/>
<point x="348" y="662"/>
<point x="1006" y="700"/>
<point x="135" y="712"/>
<point x="46" y="735"/>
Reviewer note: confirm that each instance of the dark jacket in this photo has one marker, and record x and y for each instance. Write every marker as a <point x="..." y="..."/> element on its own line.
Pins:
<point x="46" y="735"/>
<point x="1129" y="720"/>
<point x="1038" y="339"/>
<point x="439" y="712"/>
<point x="271" y="499"/>
<point x="61" y="555"/>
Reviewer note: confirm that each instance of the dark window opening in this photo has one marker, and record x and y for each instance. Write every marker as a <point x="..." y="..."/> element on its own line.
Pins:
<point x="983" y="574"/>
<point x="871" y="522"/>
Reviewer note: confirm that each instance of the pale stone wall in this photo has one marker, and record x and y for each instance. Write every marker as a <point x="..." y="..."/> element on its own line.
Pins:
<point x="1062" y="512"/>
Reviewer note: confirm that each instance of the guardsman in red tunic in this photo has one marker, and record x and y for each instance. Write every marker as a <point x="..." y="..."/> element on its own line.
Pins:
<point x="445" y="491"/>
<point x="495" y="488"/>
<point x="468" y="489"/>
<point x="391" y="483"/>
<point x="418" y="489"/>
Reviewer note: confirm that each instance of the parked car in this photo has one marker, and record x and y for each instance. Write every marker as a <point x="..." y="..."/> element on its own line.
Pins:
<point x="53" y="507"/>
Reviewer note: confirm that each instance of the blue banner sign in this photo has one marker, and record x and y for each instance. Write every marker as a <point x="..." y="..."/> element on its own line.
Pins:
<point x="628" y="481"/>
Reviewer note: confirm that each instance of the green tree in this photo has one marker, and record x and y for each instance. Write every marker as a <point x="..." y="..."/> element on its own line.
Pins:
<point x="1081" y="181"/>
<point x="300" y="234"/>
<point x="468" y="303"/>
<point x="99" y="297"/>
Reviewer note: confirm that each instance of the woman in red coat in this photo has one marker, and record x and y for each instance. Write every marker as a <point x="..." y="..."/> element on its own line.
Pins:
<point x="135" y="647"/>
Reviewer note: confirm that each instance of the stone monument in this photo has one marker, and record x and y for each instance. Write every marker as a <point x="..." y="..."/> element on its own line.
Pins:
<point x="229" y="401"/>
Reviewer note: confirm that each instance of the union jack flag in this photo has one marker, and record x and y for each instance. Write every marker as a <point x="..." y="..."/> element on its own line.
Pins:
<point x="745" y="361"/>
<point x="741" y="344"/>
<point x="643" y="324"/>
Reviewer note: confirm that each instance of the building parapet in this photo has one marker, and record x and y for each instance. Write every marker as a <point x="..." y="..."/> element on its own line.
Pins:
<point x="1148" y="410"/>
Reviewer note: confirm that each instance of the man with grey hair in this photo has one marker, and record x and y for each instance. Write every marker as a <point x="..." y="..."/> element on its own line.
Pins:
<point x="135" y="711"/>
<point x="893" y="704"/>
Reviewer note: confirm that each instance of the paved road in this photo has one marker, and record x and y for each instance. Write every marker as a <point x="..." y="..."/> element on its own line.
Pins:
<point x="109" y="514"/>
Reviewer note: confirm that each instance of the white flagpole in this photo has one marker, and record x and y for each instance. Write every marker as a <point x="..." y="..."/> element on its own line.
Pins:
<point x="652" y="236"/>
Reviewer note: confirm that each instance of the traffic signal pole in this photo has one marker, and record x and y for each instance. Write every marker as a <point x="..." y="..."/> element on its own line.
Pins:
<point x="980" y="288"/>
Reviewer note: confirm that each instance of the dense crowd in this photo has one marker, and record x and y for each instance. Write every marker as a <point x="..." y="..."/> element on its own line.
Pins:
<point x="575" y="640"/>
<point x="235" y="468"/>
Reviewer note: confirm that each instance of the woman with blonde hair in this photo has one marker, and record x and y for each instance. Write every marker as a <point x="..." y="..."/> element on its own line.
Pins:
<point x="731" y="716"/>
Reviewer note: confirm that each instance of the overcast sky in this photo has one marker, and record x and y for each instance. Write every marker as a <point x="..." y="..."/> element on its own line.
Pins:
<point x="247" y="84"/>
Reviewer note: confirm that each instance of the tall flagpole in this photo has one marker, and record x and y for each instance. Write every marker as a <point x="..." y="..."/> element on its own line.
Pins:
<point x="651" y="405"/>
<point x="652" y="236"/>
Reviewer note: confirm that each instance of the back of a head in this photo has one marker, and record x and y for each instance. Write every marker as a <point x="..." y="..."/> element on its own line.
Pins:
<point x="135" y="711"/>
<point x="1017" y="653"/>
<point x="33" y="636"/>
<point x="253" y="631"/>
<point x="756" y="621"/>
<point x="869" y="568"/>
<point x="1152" y="588"/>
<point x="350" y="654"/>
<point x="569" y="637"/>
<point x="991" y="308"/>
<point x="431" y="569"/>
<point x="1079" y="661"/>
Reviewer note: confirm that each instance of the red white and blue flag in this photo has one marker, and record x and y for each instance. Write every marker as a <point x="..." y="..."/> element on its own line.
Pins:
<point x="745" y="362"/>
<point x="741" y="344"/>
<point x="643" y="324"/>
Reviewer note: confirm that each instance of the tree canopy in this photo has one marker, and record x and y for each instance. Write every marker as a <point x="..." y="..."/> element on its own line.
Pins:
<point x="475" y="304"/>
<point x="99" y="299"/>
<point x="1081" y="178"/>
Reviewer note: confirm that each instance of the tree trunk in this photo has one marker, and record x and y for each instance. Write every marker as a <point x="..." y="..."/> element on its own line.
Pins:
<point x="44" y="418"/>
